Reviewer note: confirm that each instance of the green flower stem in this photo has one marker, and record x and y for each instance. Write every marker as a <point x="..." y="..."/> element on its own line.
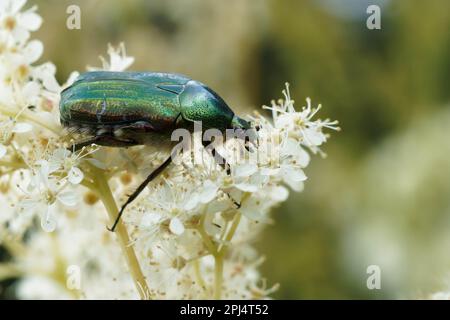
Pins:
<point x="13" y="165"/>
<point x="198" y="275"/>
<point x="105" y="194"/>
<point x="8" y="271"/>
<point x="230" y="234"/>
<point x="205" y="237"/>
<point x="218" y="276"/>
<point x="219" y="256"/>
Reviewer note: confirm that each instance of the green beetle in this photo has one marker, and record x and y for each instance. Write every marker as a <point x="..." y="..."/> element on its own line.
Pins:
<point x="123" y="109"/>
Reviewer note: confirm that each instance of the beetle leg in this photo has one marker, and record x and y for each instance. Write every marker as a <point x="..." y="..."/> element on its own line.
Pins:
<point x="221" y="161"/>
<point x="138" y="126"/>
<point x="104" y="140"/>
<point x="237" y="204"/>
<point x="139" y="189"/>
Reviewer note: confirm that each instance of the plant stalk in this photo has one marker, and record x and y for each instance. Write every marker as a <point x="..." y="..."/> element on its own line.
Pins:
<point x="107" y="198"/>
<point x="218" y="276"/>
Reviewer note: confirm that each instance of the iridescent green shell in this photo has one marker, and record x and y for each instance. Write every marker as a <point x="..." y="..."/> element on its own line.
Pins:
<point x="103" y="98"/>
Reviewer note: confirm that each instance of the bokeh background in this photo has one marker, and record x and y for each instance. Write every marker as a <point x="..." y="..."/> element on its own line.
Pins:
<point x="382" y="196"/>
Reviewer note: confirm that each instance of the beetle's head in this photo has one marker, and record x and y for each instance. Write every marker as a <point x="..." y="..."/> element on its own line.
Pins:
<point x="239" y="123"/>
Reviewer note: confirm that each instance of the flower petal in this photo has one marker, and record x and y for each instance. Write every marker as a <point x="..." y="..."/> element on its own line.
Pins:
<point x="293" y="173"/>
<point x="176" y="226"/>
<point x="30" y="20"/>
<point x="75" y="175"/>
<point x="297" y="186"/>
<point x="150" y="219"/>
<point x="192" y="202"/>
<point x="247" y="187"/>
<point x="22" y="127"/>
<point x="68" y="198"/>
<point x="2" y="150"/>
<point x="279" y="193"/>
<point x="245" y="170"/>
<point x="209" y="191"/>
<point x="314" y="137"/>
<point x="14" y="6"/>
<point x="33" y="51"/>
<point x="21" y="35"/>
<point x="254" y="209"/>
<point x="31" y="91"/>
<point x="48" y="221"/>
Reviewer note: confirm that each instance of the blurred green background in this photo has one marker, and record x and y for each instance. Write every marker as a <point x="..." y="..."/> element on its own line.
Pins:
<point x="382" y="195"/>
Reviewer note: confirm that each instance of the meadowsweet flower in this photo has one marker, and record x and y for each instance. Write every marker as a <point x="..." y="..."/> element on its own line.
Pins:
<point x="7" y="129"/>
<point x="300" y="125"/>
<point x="43" y="194"/>
<point x="66" y="161"/>
<point x="189" y="235"/>
<point x="17" y="23"/>
<point x="118" y="60"/>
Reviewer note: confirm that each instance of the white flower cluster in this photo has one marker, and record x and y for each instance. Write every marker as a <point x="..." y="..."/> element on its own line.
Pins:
<point x="188" y="236"/>
<point x="197" y="214"/>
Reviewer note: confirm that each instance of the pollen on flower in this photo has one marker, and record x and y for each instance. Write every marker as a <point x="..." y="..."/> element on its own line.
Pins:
<point x="23" y="71"/>
<point x="90" y="198"/>
<point x="126" y="178"/>
<point x="10" y="23"/>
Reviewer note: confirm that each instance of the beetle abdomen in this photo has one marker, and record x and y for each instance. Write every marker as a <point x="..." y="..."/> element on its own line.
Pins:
<point x="114" y="98"/>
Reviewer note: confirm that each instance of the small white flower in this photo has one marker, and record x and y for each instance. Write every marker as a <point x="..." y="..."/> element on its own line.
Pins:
<point x="44" y="192"/>
<point x="7" y="129"/>
<point x="67" y="161"/>
<point x="294" y="179"/>
<point x="255" y="208"/>
<point x="118" y="60"/>
<point x="19" y="24"/>
<point x="293" y="149"/>
<point x="204" y="193"/>
<point x="45" y="201"/>
<point x="46" y="73"/>
<point x="32" y="51"/>
<point x="300" y="125"/>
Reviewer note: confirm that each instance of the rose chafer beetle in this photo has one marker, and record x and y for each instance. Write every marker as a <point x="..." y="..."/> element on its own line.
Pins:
<point x="123" y="109"/>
